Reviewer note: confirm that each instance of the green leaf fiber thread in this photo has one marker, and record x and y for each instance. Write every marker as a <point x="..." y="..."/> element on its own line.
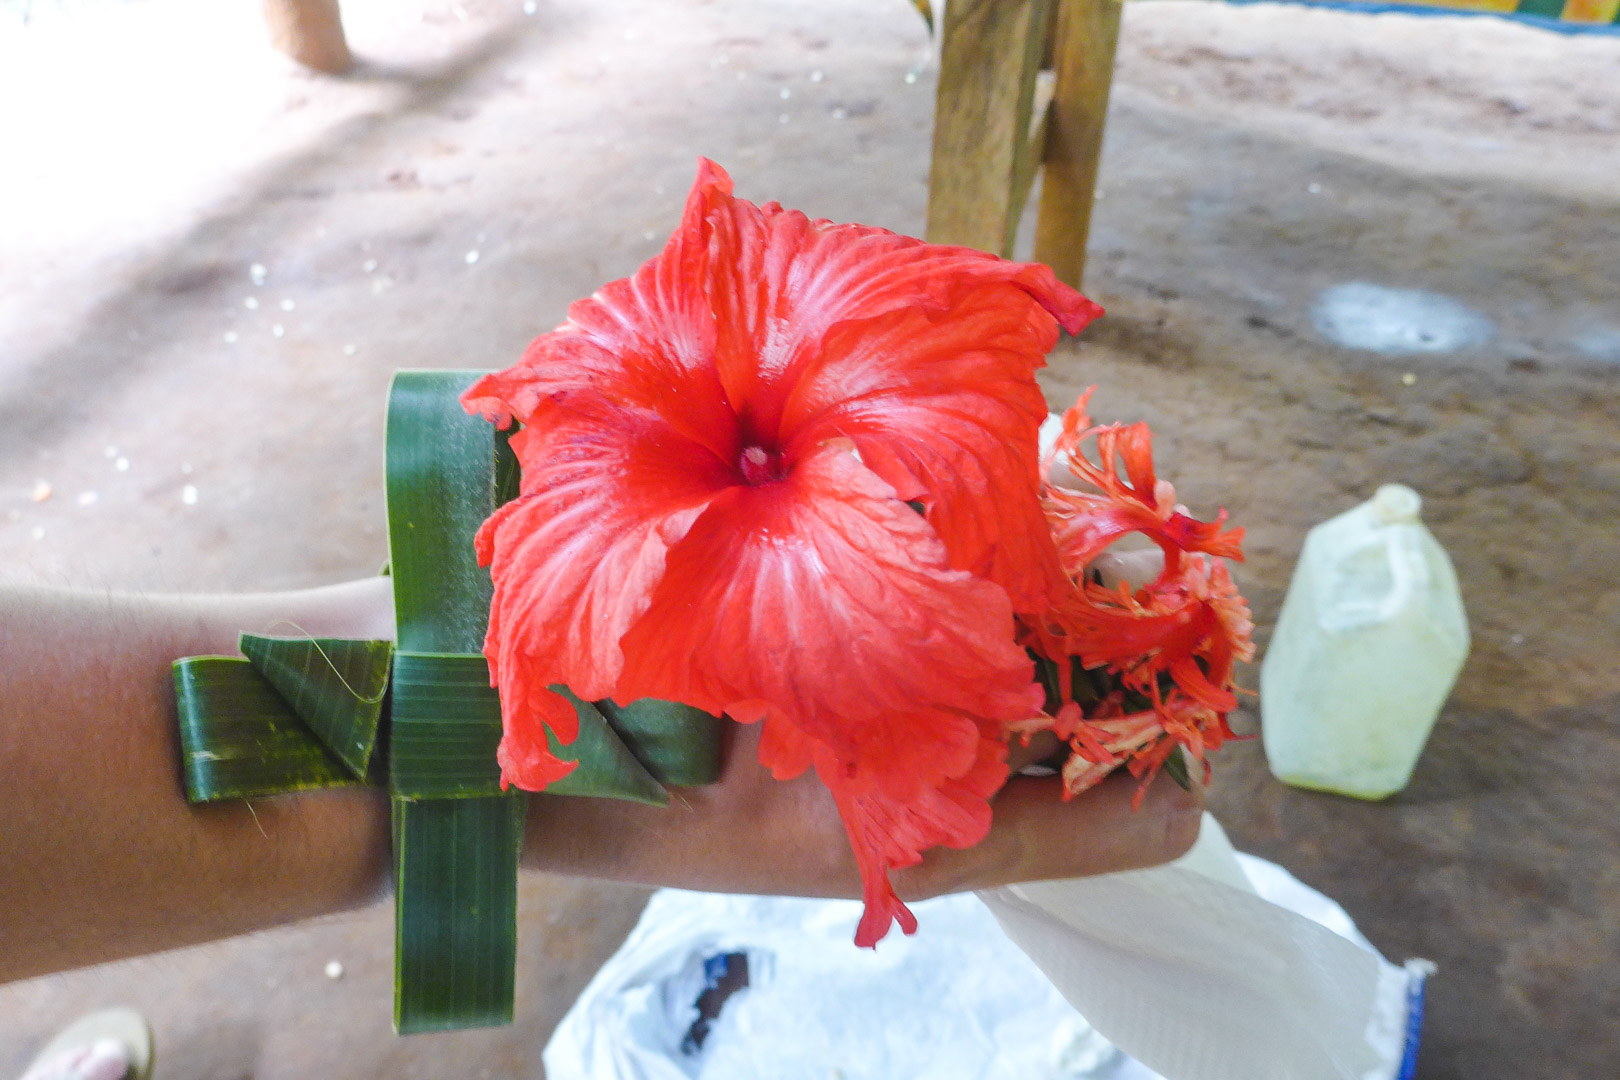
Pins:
<point x="337" y="687"/>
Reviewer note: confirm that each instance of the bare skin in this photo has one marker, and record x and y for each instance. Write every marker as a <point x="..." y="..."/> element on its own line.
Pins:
<point x="102" y="857"/>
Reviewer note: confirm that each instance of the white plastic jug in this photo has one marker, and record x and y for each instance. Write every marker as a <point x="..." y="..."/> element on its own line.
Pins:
<point x="1370" y="640"/>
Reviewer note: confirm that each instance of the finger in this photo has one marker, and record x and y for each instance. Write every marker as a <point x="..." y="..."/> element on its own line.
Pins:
<point x="1040" y="746"/>
<point x="1039" y="837"/>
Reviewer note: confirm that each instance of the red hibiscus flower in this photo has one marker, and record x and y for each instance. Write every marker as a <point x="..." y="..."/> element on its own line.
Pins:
<point x="723" y="457"/>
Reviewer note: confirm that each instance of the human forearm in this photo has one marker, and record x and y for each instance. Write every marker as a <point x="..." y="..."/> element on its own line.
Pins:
<point x="102" y="858"/>
<point x="100" y="855"/>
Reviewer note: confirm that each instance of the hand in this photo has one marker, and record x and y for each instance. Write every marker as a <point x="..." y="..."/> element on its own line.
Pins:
<point x="751" y="833"/>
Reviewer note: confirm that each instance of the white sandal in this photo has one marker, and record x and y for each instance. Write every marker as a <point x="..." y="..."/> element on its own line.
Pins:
<point x="98" y="1038"/>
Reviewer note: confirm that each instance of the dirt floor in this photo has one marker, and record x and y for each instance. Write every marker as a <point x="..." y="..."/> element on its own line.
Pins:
<point x="172" y="418"/>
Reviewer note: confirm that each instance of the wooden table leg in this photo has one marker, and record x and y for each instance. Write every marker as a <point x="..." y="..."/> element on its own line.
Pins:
<point x="1086" y="34"/>
<point x="989" y="54"/>
<point x="309" y="31"/>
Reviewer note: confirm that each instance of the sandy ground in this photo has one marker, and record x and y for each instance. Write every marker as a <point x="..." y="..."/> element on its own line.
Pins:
<point x="170" y="419"/>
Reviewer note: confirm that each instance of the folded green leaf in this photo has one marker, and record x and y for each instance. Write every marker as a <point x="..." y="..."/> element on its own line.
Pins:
<point x="678" y="744"/>
<point x="607" y="766"/>
<point x="335" y="686"/>
<point x="241" y="739"/>
<point x="455" y="925"/>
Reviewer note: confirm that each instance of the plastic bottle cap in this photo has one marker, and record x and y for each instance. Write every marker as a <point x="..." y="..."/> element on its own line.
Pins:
<point x="1396" y="504"/>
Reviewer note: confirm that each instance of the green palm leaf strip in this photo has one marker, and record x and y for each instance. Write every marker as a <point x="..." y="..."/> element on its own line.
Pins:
<point x="455" y="928"/>
<point x="240" y="739"/>
<point x="337" y="687"/>
<point x="303" y="712"/>
<point x="456" y="858"/>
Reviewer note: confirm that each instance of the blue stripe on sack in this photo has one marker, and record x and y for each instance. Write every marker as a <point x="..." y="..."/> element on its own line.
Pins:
<point x="1416" y="991"/>
<point x="1540" y="22"/>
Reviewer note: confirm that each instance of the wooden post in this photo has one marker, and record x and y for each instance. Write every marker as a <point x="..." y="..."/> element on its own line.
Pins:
<point x="990" y="53"/>
<point x="1085" y="36"/>
<point x="309" y="31"/>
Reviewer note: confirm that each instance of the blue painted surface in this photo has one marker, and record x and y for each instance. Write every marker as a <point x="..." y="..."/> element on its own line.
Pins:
<point x="1540" y="22"/>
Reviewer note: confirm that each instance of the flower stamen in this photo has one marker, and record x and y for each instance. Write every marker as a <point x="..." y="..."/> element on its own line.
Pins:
<point x="760" y="466"/>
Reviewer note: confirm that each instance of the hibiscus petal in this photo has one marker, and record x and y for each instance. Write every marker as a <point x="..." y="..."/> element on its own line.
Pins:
<point x="827" y="597"/>
<point x="645" y="341"/>
<point x="945" y="407"/>
<point x="825" y="603"/>
<point x="576" y="558"/>
<point x="886" y="833"/>
<point x="780" y="282"/>
<point x="925" y="355"/>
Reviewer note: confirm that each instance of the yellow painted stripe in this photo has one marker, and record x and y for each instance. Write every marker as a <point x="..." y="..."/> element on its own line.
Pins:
<point x="1495" y="7"/>
<point x="1591" y="11"/>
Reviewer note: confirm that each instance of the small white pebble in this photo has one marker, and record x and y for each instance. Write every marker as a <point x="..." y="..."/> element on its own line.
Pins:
<point x="649" y="235"/>
<point x="816" y="76"/>
<point x="786" y="93"/>
<point x="87" y="498"/>
<point x="41" y="490"/>
<point x="278" y="330"/>
<point x="381" y="285"/>
<point x="334" y="969"/>
<point x="459" y="12"/>
<point x="1517" y="639"/>
<point x="530" y="7"/>
<point x="911" y="76"/>
<point x="287" y="305"/>
<point x="230" y="337"/>
<point x="258" y="272"/>
<point x="1314" y="188"/>
<point x="471" y="256"/>
<point x="37" y="532"/>
<point x="121" y="464"/>
<point x="251" y="303"/>
<point x="188" y="494"/>
<point x="840" y="113"/>
<point x="1409" y="379"/>
<point x="109" y="451"/>
<point x="369" y="266"/>
<point x="349" y="350"/>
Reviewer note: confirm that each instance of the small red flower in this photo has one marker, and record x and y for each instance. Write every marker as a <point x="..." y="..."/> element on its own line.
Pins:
<point x="1170" y="646"/>
<point x="718" y="456"/>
